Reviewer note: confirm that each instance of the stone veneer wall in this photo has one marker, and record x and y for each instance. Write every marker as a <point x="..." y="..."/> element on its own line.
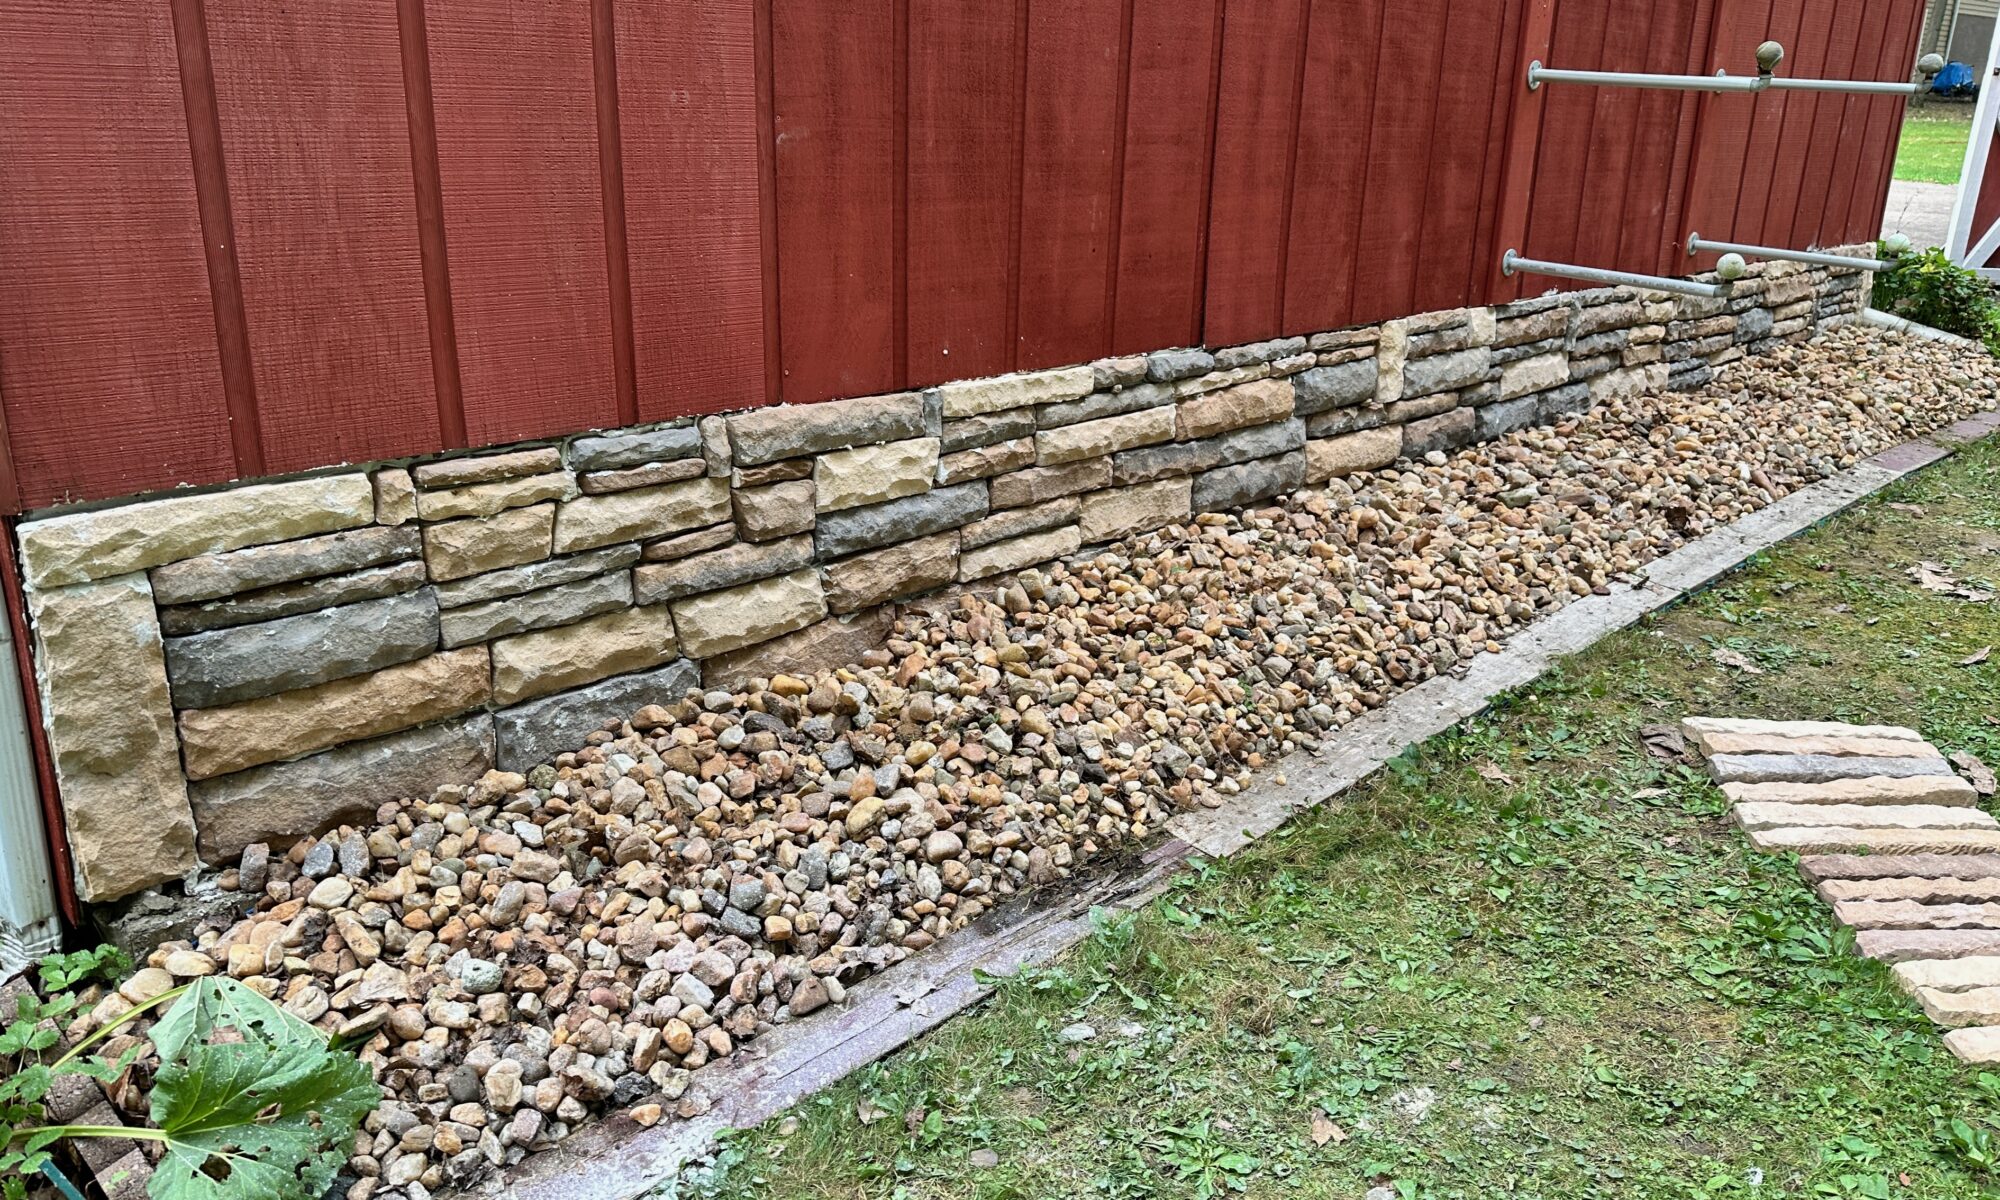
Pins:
<point x="258" y="662"/>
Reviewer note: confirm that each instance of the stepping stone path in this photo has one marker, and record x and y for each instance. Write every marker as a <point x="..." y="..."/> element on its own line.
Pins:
<point x="1892" y="839"/>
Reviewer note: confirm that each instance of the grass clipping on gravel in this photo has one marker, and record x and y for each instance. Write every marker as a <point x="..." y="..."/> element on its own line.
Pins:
<point x="1527" y="960"/>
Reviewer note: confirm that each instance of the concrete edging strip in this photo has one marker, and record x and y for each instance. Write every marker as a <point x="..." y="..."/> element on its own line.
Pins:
<point x="616" y="1158"/>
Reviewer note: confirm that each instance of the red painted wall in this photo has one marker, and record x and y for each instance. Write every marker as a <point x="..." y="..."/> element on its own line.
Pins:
<point x="238" y="239"/>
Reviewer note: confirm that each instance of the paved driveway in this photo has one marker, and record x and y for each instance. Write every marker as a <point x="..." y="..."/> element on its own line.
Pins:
<point x="1922" y="210"/>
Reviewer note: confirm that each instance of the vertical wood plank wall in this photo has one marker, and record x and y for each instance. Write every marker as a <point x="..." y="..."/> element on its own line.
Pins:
<point x="239" y="239"/>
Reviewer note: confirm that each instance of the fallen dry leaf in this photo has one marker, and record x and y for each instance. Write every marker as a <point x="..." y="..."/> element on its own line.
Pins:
<point x="1976" y="657"/>
<point x="1976" y="773"/>
<point x="1732" y="658"/>
<point x="868" y="1112"/>
<point x="1493" y="772"/>
<point x="1664" y="741"/>
<point x="1936" y="577"/>
<point x="1324" y="1130"/>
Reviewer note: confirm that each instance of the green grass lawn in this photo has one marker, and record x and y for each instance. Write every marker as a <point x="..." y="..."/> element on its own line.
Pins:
<point x="1527" y="960"/>
<point x="1933" y="145"/>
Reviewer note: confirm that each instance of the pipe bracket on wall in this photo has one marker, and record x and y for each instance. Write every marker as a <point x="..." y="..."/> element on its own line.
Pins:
<point x="1697" y="244"/>
<point x="1512" y="263"/>
<point x="1768" y="56"/>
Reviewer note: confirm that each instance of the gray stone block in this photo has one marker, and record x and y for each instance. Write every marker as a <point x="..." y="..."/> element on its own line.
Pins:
<point x="532" y="733"/>
<point x="1185" y="458"/>
<point x="1104" y="404"/>
<point x="744" y="562"/>
<point x="1258" y="352"/>
<point x="764" y="435"/>
<point x="1817" y="768"/>
<point x="278" y="803"/>
<point x="210" y="576"/>
<point x="513" y="581"/>
<point x="1754" y="324"/>
<point x="1340" y="386"/>
<point x="1166" y="366"/>
<point x="987" y="429"/>
<point x="225" y="666"/>
<point x="290" y="599"/>
<point x="1562" y="402"/>
<point x="1446" y="431"/>
<point x="1505" y="417"/>
<point x="1246" y="483"/>
<point x="546" y="608"/>
<point x="615" y="451"/>
<point x="1446" y="372"/>
<point x="855" y="529"/>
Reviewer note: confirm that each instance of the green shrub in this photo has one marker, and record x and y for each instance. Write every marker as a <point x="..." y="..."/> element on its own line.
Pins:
<point x="249" y="1102"/>
<point x="1930" y="289"/>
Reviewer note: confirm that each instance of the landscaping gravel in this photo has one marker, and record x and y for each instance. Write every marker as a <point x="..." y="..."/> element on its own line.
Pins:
<point x="539" y="948"/>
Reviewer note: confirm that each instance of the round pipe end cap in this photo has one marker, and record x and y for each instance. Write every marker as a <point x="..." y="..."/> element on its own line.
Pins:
<point x="1730" y="268"/>
<point x="1769" y="55"/>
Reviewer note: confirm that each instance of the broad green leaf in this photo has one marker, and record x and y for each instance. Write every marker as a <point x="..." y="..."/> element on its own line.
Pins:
<point x="213" y="1002"/>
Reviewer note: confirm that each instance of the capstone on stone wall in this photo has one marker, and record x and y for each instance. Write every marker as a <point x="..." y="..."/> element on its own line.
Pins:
<point x="259" y="662"/>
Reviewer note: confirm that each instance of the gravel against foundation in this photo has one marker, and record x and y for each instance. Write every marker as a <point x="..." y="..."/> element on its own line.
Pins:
<point x="536" y="949"/>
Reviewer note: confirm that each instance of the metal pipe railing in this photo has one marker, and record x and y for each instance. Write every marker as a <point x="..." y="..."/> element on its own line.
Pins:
<point x="1512" y="263"/>
<point x="1698" y="244"/>
<point x="1769" y="55"/>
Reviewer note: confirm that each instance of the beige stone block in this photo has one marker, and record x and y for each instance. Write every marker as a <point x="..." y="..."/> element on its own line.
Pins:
<point x="1629" y="381"/>
<point x="1817" y="868"/>
<point x="1392" y="351"/>
<point x="720" y="622"/>
<point x="872" y="474"/>
<point x="485" y="499"/>
<point x="1368" y="450"/>
<point x="1016" y="554"/>
<point x="1837" y="839"/>
<point x="456" y="472"/>
<point x="1908" y="914"/>
<point x="640" y="514"/>
<point x="1035" y="485"/>
<point x="776" y="510"/>
<point x="1979" y="1006"/>
<point x="1764" y="815"/>
<point x="110" y="726"/>
<point x="475" y="545"/>
<point x="970" y="398"/>
<point x="1530" y="375"/>
<point x="891" y="573"/>
<point x="216" y="741"/>
<point x="1975" y="1044"/>
<point x="1257" y="403"/>
<point x="1917" y="889"/>
<point x="1120" y="512"/>
<point x="553" y="660"/>
<point x="1874" y="789"/>
<point x="395" y="496"/>
<point x="1096" y="439"/>
<point x="1949" y="974"/>
<point x="983" y="462"/>
<point x="822" y="646"/>
<point x="1839" y="747"/>
<point x="103" y="542"/>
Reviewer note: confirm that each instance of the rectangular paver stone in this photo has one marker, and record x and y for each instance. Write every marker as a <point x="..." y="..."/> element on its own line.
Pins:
<point x="1898" y="866"/>
<point x="1875" y="789"/>
<point x="1975" y="1044"/>
<point x="1908" y="914"/>
<point x="1816" y="768"/>
<point x="1978" y="1006"/>
<point x="1903" y="945"/>
<point x="1839" y="747"/>
<point x="1950" y="974"/>
<point x="1916" y="889"/>
<point x="1762" y="815"/>
<point x="1695" y="728"/>
<point x="1835" y="839"/>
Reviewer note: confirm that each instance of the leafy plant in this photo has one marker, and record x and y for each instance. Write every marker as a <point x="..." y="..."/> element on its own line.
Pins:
<point x="1932" y="290"/>
<point x="249" y="1102"/>
<point x="1200" y="1157"/>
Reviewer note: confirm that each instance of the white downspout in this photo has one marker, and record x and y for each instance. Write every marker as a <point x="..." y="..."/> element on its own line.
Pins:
<point x="28" y="924"/>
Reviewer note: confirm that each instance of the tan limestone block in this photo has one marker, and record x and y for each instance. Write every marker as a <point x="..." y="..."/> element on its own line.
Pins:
<point x="720" y="622"/>
<point x="1839" y="747"/>
<point x="79" y="547"/>
<point x="1095" y="439"/>
<point x="970" y="398"/>
<point x="1975" y="1043"/>
<point x="640" y="514"/>
<point x="395" y="496"/>
<point x="485" y="499"/>
<point x="1863" y="816"/>
<point x="1815" y="868"/>
<point x="110" y="725"/>
<point x="476" y="545"/>
<point x="483" y="468"/>
<point x="1016" y="554"/>
<point x="1873" y="789"/>
<point x="216" y="741"/>
<point x="1120" y="512"/>
<point x="1257" y="403"/>
<point x="1950" y="974"/>
<point x="1835" y="839"/>
<point x="1368" y="450"/>
<point x="1919" y="890"/>
<point x="1907" y="914"/>
<point x="775" y="510"/>
<point x="873" y="474"/>
<point x="891" y="573"/>
<point x="1979" y="1006"/>
<point x="1538" y="374"/>
<point x="553" y="660"/>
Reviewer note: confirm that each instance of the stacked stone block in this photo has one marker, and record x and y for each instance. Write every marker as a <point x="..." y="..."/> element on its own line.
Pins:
<point x="263" y="661"/>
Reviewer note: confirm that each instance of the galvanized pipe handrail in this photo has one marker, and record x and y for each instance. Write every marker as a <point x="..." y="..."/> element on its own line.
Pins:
<point x="1698" y="244"/>
<point x="1769" y="55"/>
<point x="1512" y="263"/>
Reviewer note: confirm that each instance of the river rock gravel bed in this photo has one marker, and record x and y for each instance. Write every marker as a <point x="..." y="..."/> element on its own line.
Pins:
<point x="525" y="953"/>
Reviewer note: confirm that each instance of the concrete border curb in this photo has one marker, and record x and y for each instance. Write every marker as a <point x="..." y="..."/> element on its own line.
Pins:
<point x="616" y="1159"/>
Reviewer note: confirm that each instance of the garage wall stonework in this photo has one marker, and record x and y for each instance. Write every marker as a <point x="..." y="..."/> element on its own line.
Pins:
<point x="262" y="661"/>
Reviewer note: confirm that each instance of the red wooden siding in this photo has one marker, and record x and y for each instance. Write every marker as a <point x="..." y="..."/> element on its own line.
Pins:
<point x="240" y="239"/>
